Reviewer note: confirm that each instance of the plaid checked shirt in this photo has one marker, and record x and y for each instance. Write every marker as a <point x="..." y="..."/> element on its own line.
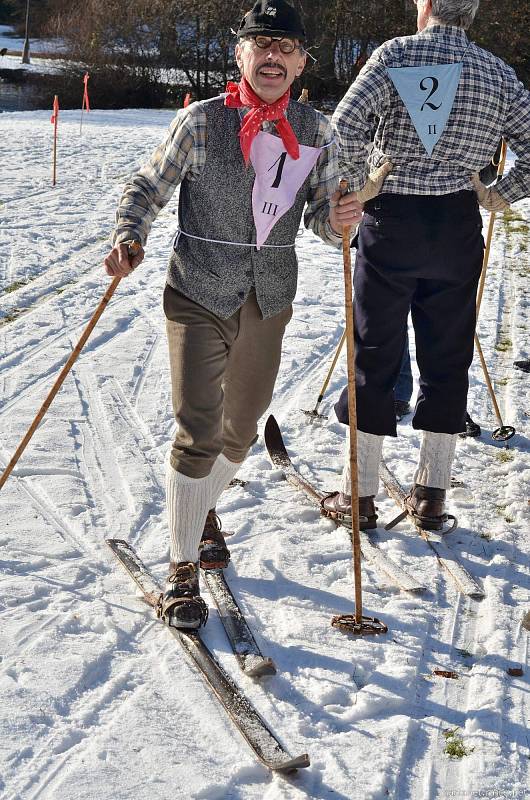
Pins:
<point x="490" y="102"/>
<point x="182" y="155"/>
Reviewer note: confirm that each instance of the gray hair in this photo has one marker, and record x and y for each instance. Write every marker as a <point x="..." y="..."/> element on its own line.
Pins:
<point x="455" y="12"/>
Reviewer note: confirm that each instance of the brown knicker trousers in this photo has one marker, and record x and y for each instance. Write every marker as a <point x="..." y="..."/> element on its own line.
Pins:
<point x="222" y="378"/>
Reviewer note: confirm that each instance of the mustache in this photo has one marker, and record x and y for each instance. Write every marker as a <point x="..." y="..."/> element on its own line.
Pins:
<point x="273" y="64"/>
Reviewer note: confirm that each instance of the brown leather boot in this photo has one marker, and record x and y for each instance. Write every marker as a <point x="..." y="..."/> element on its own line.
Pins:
<point x="181" y="605"/>
<point x="213" y="552"/>
<point x="426" y="504"/>
<point x="338" y="506"/>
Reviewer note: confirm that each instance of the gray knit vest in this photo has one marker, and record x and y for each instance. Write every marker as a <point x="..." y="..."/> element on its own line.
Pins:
<point x="219" y="206"/>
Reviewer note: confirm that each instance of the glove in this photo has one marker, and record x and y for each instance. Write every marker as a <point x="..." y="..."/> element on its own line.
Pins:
<point x="489" y="199"/>
<point x="375" y="181"/>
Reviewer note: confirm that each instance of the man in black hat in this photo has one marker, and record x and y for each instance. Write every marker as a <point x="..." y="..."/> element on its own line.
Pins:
<point x="248" y="163"/>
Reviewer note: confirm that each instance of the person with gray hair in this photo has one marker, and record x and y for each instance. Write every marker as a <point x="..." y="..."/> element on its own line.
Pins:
<point x="460" y="13"/>
<point x="441" y="104"/>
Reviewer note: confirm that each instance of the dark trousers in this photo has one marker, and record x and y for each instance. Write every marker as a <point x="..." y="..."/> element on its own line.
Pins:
<point x="421" y="254"/>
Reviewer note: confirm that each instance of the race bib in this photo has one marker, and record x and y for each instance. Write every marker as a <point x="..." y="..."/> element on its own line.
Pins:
<point x="278" y="179"/>
<point x="428" y="94"/>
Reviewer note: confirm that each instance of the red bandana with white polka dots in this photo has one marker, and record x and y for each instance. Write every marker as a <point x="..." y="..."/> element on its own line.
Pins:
<point x="241" y="95"/>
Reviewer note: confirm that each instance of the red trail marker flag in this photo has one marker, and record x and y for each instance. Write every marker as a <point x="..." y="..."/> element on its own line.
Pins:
<point x="86" y="103"/>
<point x="54" y="120"/>
<point x="55" y="114"/>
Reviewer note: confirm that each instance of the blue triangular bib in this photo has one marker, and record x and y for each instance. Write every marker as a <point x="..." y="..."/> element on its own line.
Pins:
<point x="428" y="94"/>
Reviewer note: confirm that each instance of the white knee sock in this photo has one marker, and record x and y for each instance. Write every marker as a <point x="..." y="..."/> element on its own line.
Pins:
<point x="222" y="473"/>
<point x="187" y="501"/>
<point x="436" y="459"/>
<point x="369" y="450"/>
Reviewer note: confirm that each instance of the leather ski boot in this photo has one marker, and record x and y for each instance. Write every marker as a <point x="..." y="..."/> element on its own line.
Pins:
<point x="338" y="506"/>
<point x="181" y="605"/>
<point x="213" y="552"/>
<point x="472" y="429"/>
<point x="426" y="504"/>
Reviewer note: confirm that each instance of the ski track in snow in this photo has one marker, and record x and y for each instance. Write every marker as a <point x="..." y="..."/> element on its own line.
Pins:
<point x="96" y="699"/>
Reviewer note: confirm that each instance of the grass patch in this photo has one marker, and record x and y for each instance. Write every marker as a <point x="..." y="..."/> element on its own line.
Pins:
<point x="14" y="286"/>
<point x="522" y="228"/>
<point x="11" y="316"/>
<point x="503" y="344"/>
<point x="500" y="510"/>
<point x="454" y="745"/>
<point x="509" y="215"/>
<point x="505" y="456"/>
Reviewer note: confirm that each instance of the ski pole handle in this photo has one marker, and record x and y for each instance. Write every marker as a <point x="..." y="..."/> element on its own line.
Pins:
<point x="489" y="236"/>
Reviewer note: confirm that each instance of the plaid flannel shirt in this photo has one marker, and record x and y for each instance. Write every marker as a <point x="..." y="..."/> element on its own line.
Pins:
<point x="182" y="155"/>
<point x="490" y="102"/>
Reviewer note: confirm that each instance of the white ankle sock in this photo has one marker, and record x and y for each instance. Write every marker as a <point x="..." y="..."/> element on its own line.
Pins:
<point x="187" y="502"/>
<point x="436" y="459"/>
<point x="369" y="450"/>
<point x="222" y="473"/>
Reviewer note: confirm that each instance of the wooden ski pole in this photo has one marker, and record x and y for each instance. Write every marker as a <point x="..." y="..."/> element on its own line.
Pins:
<point x="304" y="98"/>
<point x="503" y="432"/>
<point x="314" y="412"/>
<point x="133" y="250"/>
<point x="489" y="236"/>
<point x="60" y="380"/>
<point x="352" y="419"/>
<point x="356" y="624"/>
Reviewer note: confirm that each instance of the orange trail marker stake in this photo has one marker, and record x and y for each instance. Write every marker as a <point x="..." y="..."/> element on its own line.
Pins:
<point x="54" y="119"/>
<point x="353" y="623"/>
<point x="86" y="102"/>
<point x="133" y="250"/>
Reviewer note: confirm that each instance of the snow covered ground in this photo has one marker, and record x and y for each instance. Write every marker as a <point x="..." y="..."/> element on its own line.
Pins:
<point x="12" y="42"/>
<point x="44" y="66"/>
<point x="97" y="701"/>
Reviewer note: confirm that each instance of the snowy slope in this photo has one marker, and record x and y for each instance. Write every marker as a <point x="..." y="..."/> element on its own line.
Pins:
<point x="96" y="699"/>
<point x="12" y="42"/>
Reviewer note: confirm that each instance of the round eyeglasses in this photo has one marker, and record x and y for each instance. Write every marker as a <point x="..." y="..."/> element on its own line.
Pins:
<point x="285" y="45"/>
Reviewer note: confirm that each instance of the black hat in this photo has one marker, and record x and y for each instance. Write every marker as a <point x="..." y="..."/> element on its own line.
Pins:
<point x="272" y="18"/>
